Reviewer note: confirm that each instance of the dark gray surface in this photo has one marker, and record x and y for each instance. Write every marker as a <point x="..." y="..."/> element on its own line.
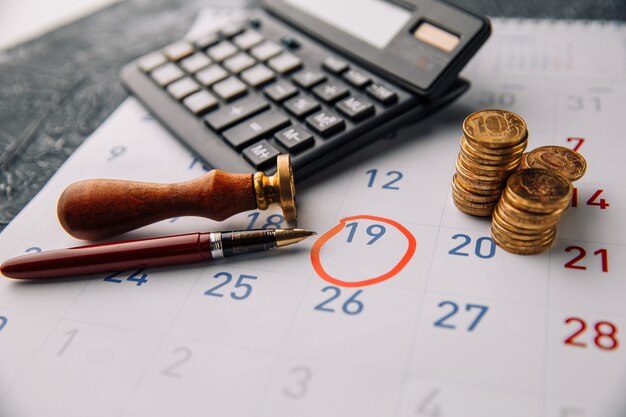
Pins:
<point x="56" y="90"/>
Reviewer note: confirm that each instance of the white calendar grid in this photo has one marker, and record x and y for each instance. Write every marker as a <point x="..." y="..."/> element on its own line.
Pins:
<point x="461" y="330"/>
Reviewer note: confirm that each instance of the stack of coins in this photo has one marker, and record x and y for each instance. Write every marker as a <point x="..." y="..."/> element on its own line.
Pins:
<point x="524" y="221"/>
<point x="565" y="161"/>
<point x="492" y="144"/>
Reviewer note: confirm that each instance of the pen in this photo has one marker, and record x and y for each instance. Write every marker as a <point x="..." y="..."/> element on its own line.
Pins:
<point x="146" y="253"/>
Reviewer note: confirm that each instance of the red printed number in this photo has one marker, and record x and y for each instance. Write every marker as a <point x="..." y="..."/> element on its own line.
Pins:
<point x="573" y="264"/>
<point x="579" y="142"/>
<point x="605" y="338"/>
<point x="593" y="200"/>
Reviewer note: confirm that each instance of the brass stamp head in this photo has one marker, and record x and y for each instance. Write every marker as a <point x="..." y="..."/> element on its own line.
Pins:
<point x="279" y="189"/>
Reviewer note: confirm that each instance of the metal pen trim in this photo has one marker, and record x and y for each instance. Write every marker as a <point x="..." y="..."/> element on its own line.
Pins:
<point x="215" y="243"/>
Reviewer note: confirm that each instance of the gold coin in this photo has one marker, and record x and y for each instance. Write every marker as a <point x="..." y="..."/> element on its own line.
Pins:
<point x="497" y="225"/>
<point x="539" y="190"/>
<point x="523" y="164"/>
<point x="487" y="186"/>
<point x="511" y="226"/>
<point x="513" y="239"/>
<point x="495" y="128"/>
<point x="565" y="161"/>
<point x="474" y="205"/>
<point x="501" y="171"/>
<point x="523" y="250"/>
<point x="469" y="210"/>
<point x="465" y="194"/>
<point x="478" y="177"/>
<point x="527" y="219"/>
<point x="480" y="148"/>
<point x="478" y="155"/>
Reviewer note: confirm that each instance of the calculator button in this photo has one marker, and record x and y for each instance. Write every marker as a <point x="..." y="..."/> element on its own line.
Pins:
<point x="262" y="125"/>
<point x="233" y="30"/>
<point x="222" y="50"/>
<point x="236" y="112"/>
<point x="182" y="88"/>
<point x="200" y="102"/>
<point x="211" y="75"/>
<point x="290" y="42"/>
<point x="334" y="65"/>
<point x="151" y="61"/>
<point x="356" y="78"/>
<point x="325" y="123"/>
<point x="330" y="92"/>
<point x="266" y="50"/>
<point x="166" y="73"/>
<point x="382" y="93"/>
<point x="294" y="138"/>
<point x="230" y="88"/>
<point x="285" y="63"/>
<point x="260" y="154"/>
<point x="207" y="40"/>
<point x="195" y="62"/>
<point x="178" y="50"/>
<point x="301" y="106"/>
<point x="355" y="108"/>
<point x="308" y="78"/>
<point x="258" y="75"/>
<point x="248" y="39"/>
<point x="280" y="91"/>
<point x="239" y="62"/>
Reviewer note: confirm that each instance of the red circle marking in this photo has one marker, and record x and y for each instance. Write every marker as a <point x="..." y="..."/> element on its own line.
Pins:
<point x="317" y="248"/>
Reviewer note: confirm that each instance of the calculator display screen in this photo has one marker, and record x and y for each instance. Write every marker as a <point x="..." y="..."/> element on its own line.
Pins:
<point x="373" y="21"/>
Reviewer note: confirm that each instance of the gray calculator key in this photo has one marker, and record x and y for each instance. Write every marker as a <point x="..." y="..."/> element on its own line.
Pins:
<point x="200" y="102"/>
<point x="211" y="75"/>
<point x="325" y="123"/>
<point x="266" y="50"/>
<point x="239" y="62"/>
<point x="195" y="62"/>
<point x="260" y="154"/>
<point x="356" y="78"/>
<point x="222" y="50"/>
<point x="231" y="30"/>
<point x="285" y="63"/>
<point x="205" y="41"/>
<point x="178" y="50"/>
<point x="294" y="138"/>
<point x="330" y="92"/>
<point x="230" y="88"/>
<point x="334" y="65"/>
<point x="248" y="39"/>
<point x="301" y="106"/>
<point x="355" y="108"/>
<point x="236" y="112"/>
<point x="182" y="88"/>
<point x="166" y="73"/>
<point x="259" y="126"/>
<point x="280" y="91"/>
<point x="258" y="75"/>
<point x="382" y="93"/>
<point x="308" y="78"/>
<point x="151" y="61"/>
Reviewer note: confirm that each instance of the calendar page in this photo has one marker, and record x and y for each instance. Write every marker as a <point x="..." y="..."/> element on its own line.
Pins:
<point x="400" y="306"/>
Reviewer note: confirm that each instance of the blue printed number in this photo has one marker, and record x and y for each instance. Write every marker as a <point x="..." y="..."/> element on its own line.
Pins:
<point x="351" y="306"/>
<point x="484" y="247"/>
<point x="394" y="177"/>
<point x="3" y="322"/>
<point x="454" y="309"/>
<point x="376" y="231"/>
<point x="274" y="221"/>
<point x="241" y="289"/>
<point x="34" y="249"/>
<point x="195" y="161"/>
<point x="138" y="277"/>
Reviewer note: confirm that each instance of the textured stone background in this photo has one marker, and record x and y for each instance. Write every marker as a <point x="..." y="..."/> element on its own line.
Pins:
<point x="57" y="89"/>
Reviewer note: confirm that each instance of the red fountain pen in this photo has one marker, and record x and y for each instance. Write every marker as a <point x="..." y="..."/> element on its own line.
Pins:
<point x="147" y="253"/>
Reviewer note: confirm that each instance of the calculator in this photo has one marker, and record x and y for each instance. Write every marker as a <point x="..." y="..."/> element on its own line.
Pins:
<point x="318" y="80"/>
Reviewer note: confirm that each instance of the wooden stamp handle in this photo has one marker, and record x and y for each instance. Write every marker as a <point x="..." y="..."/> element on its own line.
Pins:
<point x="96" y="209"/>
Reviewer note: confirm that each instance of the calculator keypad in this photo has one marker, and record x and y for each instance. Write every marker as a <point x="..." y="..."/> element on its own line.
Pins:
<point x="260" y="97"/>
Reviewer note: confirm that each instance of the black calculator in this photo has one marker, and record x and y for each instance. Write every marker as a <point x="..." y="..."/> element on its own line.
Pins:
<point x="318" y="80"/>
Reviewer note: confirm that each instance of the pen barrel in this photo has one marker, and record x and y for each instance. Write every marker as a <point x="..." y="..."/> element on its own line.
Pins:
<point x="97" y="209"/>
<point x="111" y="257"/>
